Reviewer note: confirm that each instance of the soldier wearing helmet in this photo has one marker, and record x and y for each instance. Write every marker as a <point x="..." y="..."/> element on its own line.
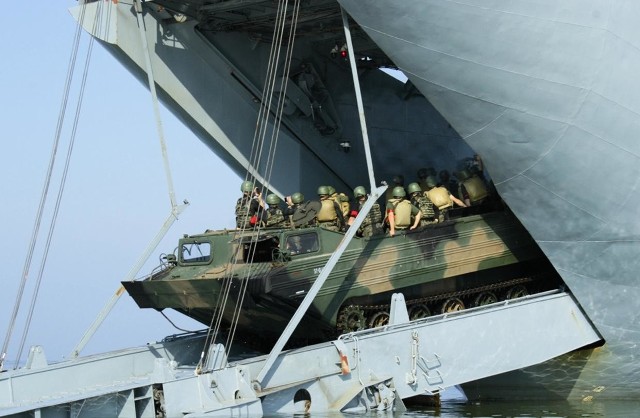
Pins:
<point x="295" y="205"/>
<point x="275" y="217"/>
<point x="330" y="214"/>
<point x="249" y="207"/>
<point x="341" y="199"/>
<point x="397" y="181"/>
<point x="371" y="225"/>
<point x="472" y="189"/>
<point x="441" y="198"/>
<point x="422" y="202"/>
<point x="400" y="212"/>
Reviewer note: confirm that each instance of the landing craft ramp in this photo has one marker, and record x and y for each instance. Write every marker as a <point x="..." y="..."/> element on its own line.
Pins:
<point x="366" y="370"/>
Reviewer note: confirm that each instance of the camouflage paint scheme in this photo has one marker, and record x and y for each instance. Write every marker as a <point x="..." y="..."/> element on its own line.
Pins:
<point x="430" y="264"/>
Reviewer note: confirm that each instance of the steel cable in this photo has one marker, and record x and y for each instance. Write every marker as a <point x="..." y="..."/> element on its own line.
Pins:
<point x="45" y="189"/>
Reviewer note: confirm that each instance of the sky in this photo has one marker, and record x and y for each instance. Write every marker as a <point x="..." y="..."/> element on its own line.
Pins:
<point x="116" y="196"/>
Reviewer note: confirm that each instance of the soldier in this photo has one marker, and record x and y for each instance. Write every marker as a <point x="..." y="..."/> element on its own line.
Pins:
<point x="398" y="181"/>
<point x="341" y="199"/>
<point x="371" y="224"/>
<point x="422" y="202"/>
<point x="330" y="214"/>
<point x="275" y="217"/>
<point x="441" y="198"/>
<point x="400" y="212"/>
<point x="250" y="206"/>
<point x="471" y="188"/>
<point x="295" y="208"/>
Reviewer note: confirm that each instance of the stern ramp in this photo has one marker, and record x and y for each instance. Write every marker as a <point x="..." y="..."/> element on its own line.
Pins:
<point x="367" y="370"/>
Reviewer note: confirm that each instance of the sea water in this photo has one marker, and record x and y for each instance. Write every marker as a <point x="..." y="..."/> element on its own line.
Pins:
<point x="555" y="409"/>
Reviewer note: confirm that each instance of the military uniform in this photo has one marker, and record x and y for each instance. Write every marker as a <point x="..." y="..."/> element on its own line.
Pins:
<point x="246" y="207"/>
<point x="275" y="218"/>
<point x="372" y="223"/>
<point x="441" y="201"/>
<point x="472" y="188"/>
<point x="343" y="202"/>
<point x="249" y="205"/>
<point x="330" y="216"/>
<point x="298" y="211"/>
<point x="422" y="202"/>
<point x="404" y="212"/>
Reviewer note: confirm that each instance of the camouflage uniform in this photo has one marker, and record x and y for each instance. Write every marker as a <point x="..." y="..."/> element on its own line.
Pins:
<point x="371" y="224"/>
<point x="422" y="202"/>
<point x="242" y="212"/>
<point x="275" y="218"/>
<point x="248" y="206"/>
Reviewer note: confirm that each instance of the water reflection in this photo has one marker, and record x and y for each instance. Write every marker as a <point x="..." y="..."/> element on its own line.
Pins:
<point x="555" y="409"/>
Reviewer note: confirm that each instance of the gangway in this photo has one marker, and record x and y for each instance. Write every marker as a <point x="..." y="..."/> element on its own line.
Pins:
<point x="372" y="369"/>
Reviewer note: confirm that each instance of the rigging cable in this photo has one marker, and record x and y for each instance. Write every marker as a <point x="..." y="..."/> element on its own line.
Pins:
<point x="226" y="287"/>
<point x="45" y="191"/>
<point x="269" y="164"/>
<point x="256" y="156"/>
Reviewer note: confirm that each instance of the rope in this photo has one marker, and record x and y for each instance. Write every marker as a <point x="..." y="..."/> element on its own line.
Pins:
<point x="262" y="117"/>
<point x="60" y="190"/>
<point x="257" y="149"/>
<point x="43" y="197"/>
<point x="270" y="161"/>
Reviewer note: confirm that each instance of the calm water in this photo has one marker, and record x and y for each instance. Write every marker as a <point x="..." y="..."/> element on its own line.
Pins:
<point x="609" y="409"/>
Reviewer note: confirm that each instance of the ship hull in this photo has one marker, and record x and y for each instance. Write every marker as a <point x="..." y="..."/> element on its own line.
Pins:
<point x="547" y="94"/>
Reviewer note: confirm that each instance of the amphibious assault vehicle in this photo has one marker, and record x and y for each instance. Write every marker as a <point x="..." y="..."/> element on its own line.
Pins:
<point x="463" y="262"/>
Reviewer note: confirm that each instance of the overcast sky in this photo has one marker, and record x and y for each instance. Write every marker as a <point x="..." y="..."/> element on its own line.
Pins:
<point x="115" y="198"/>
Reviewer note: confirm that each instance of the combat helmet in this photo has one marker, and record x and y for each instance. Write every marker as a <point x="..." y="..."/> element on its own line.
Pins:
<point x="323" y="191"/>
<point x="431" y="182"/>
<point x="413" y="187"/>
<point x="359" y="192"/>
<point x="331" y="190"/>
<point x="273" y="199"/>
<point x="246" y="186"/>
<point x="297" y="197"/>
<point x="398" y="191"/>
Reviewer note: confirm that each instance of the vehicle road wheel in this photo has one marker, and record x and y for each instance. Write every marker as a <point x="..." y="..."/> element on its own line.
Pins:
<point x="517" y="291"/>
<point x="452" y="305"/>
<point x="351" y="319"/>
<point x="485" y="298"/>
<point x="379" y="319"/>
<point x="419" y="311"/>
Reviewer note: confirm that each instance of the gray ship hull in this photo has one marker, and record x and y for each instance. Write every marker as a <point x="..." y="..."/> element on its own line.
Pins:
<point x="547" y="93"/>
<point x="544" y="93"/>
